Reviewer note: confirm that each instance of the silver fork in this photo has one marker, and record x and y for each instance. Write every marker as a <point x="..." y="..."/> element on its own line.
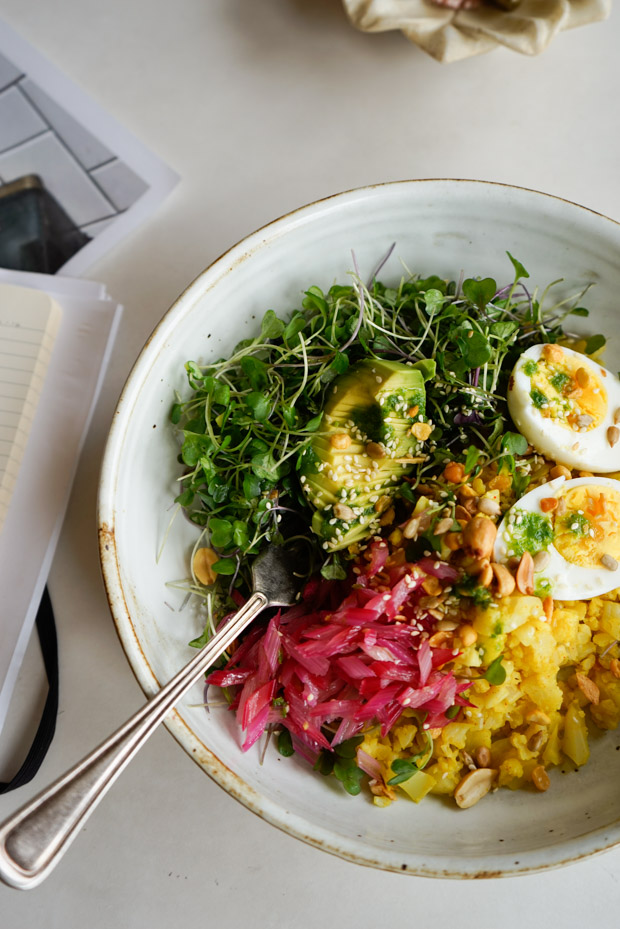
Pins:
<point x="34" y="839"/>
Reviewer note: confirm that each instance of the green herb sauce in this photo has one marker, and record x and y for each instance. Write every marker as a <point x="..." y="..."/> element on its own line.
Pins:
<point x="577" y="523"/>
<point x="538" y="398"/>
<point x="560" y="381"/>
<point x="533" y="534"/>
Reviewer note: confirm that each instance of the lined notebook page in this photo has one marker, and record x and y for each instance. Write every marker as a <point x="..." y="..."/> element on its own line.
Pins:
<point x="29" y="321"/>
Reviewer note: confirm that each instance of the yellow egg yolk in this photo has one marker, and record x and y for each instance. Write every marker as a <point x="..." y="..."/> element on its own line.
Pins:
<point x="586" y="524"/>
<point x="566" y="389"/>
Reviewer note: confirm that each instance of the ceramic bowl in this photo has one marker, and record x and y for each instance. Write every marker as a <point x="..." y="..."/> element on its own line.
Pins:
<point x="441" y="227"/>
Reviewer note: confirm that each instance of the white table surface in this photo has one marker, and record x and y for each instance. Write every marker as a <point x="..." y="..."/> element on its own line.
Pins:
<point x="261" y="107"/>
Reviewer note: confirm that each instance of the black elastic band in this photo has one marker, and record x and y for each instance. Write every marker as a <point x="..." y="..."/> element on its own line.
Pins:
<point x="46" y="628"/>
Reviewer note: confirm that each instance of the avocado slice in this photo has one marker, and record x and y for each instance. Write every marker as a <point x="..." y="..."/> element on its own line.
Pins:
<point x="375" y="429"/>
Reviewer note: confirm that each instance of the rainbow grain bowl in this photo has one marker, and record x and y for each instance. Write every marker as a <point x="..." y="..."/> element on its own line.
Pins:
<point x="455" y="231"/>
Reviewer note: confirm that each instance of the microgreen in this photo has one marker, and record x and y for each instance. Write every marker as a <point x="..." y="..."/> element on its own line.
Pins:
<point x="519" y="269"/>
<point x="285" y="743"/>
<point x="594" y="343"/>
<point x="471" y="459"/>
<point x="349" y="775"/>
<point x="348" y="748"/>
<point x="341" y="762"/>
<point x="246" y="431"/>
<point x="496" y="672"/>
<point x="513" y="443"/>
<point x="403" y="769"/>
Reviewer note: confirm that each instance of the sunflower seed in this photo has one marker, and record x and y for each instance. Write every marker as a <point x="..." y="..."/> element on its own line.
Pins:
<point x="541" y="560"/>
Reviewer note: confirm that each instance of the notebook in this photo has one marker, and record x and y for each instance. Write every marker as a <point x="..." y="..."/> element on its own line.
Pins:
<point x="29" y="322"/>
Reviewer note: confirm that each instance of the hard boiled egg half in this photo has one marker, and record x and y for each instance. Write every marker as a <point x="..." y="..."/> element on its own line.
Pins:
<point x="572" y="529"/>
<point x="567" y="407"/>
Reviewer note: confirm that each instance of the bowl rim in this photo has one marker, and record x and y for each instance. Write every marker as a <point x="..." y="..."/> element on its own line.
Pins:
<point x="569" y="851"/>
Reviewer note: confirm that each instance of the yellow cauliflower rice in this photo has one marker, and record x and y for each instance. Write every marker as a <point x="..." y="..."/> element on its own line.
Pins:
<point x="542" y="672"/>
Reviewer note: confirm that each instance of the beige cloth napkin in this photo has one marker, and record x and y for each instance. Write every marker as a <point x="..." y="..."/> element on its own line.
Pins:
<point x="449" y="35"/>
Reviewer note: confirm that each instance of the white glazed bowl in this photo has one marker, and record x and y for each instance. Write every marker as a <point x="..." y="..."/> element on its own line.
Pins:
<point x="440" y="227"/>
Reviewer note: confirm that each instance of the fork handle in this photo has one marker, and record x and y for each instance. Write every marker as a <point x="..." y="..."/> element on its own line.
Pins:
<point x="35" y="838"/>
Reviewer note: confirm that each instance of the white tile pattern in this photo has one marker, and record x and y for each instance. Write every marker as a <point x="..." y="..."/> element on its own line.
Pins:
<point x="61" y="174"/>
<point x="89" y="151"/>
<point x="8" y="72"/>
<point x="119" y="183"/>
<point x="93" y="229"/>
<point x="18" y="119"/>
<point x="37" y="136"/>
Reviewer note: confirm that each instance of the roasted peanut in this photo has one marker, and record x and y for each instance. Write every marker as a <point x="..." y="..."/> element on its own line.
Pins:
<point x="614" y="667"/>
<point x="560" y="471"/>
<point x="474" y="786"/>
<point x="505" y="580"/>
<point x="486" y="575"/>
<point x="548" y="607"/>
<point x="525" y="574"/>
<point x="479" y="537"/>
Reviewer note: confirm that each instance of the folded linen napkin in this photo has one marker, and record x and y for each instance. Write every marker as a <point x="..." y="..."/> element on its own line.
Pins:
<point x="449" y="34"/>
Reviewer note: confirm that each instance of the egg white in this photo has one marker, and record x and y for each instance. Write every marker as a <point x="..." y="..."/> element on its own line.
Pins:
<point x="589" y="451"/>
<point x="567" y="581"/>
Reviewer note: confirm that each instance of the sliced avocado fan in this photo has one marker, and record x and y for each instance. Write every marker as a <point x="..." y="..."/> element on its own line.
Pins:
<point x="374" y="433"/>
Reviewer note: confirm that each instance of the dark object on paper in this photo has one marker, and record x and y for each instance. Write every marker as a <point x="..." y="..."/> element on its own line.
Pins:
<point x="35" y="232"/>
